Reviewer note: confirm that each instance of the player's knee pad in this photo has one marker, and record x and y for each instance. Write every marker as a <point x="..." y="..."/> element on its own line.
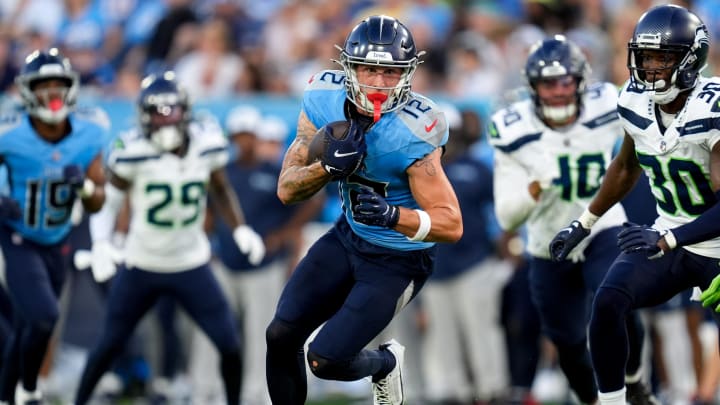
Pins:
<point x="323" y="368"/>
<point x="281" y="335"/>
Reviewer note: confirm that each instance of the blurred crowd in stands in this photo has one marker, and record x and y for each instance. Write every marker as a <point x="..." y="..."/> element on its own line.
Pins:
<point x="222" y="48"/>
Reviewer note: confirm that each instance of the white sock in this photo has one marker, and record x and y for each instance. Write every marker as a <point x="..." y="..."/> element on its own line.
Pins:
<point x="612" y="398"/>
<point x="22" y="395"/>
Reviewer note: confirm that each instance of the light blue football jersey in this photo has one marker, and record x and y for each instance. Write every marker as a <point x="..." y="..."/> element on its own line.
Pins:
<point x="394" y="143"/>
<point x="35" y="172"/>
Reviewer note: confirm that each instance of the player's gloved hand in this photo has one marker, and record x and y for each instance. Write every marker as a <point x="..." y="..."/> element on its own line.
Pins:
<point x="74" y="176"/>
<point x="250" y="243"/>
<point x="640" y="238"/>
<point x="341" y="157"/>
<point x="372" y="209"/>
<point x="711" y="295"/>
<point x="9" y="208"/>
<point x="104" y="258"/>
<point x="566" y="240"/>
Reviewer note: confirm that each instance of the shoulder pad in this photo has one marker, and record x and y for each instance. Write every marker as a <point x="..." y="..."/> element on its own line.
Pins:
<point x="627" y="90"/>
<point x="204" y="123"/>
<point x="124" y="138"/>
<point x="510" y="123"/>
<point x="327" y="80"/>
<point x="9" y="119"/>
<point x="702" y="117"/>
<point x="607" y="93"/>
<point x="425" y="119"/>
<point x="207" y="127"/>
<point x="205" y="118"/>
<point x="96" y="115"/>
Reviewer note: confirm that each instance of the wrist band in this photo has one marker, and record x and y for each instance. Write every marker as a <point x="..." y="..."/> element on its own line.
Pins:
<point x="670" y="239"/>
<point x="423" y="228"/>
<point x="88" y="188"/>
<point x="587" y="219"/>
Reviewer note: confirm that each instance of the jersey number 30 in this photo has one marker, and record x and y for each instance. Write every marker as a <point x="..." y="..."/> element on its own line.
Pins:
<point x="692" y="190"/>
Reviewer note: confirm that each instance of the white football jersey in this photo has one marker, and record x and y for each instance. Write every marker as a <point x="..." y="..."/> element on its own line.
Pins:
<point x="677" y="161"/>
<point x="569" y="162"/>
<point x="168" y="197"/>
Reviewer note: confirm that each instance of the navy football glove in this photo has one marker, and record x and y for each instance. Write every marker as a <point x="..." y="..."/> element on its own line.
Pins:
<point x="372" y="209"/>
<point x="74" y="176"/>
<point x="640" y="238"/>
<point x="566" y="240"/>
<point x="9" y="208"/>
<point x="341" y="157"/>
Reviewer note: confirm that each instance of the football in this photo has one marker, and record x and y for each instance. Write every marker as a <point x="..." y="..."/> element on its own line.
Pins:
<point x="338" y="130"/>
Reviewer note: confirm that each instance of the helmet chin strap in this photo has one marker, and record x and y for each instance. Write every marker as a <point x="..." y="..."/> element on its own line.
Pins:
<point x="377" y="99"/>
<point x="665" y="97"/>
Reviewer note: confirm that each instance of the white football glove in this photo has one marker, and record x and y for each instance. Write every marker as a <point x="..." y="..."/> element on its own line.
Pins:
<point x="102" y="260"/>
<point x="250" y="243"/>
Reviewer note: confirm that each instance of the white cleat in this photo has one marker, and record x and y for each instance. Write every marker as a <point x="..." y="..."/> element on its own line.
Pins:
<point x="389" y="390"/>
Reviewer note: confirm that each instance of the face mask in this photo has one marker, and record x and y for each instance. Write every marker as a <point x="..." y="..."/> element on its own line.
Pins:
<point x="559" y="114"/>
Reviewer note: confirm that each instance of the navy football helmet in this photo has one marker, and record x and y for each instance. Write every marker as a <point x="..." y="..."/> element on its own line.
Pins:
<point x="554" y="58"/>
<point x="381" y="41"/>
<point x="668" y="29"/>
<point x="48" y="105"/>
<point x="164" y="111"/>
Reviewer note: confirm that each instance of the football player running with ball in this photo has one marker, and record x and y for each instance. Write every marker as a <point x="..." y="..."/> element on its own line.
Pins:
<point x="397" y="203"/>
<point x="559" y="143"/>
<point x="168" y="169"/>
<point x="670" y="114"/>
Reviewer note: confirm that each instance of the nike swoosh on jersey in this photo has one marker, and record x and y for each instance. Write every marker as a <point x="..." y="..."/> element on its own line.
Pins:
<point x="338" y="154"/>
<point x="429" y="128"/>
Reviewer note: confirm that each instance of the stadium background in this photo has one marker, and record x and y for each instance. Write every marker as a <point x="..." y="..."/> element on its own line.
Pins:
<point x="233" y="52"/>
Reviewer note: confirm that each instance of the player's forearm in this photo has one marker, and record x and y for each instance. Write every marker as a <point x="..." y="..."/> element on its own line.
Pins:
<point x="226" y="205"/>
<point x="102" y="223"/>
<point x="512" y="208"/>
<point x="446" y="224"/>
<point x="299" y="183"/>
<point x="92" y="193"/>
<point x="704" y="227"/>
<point x="616" y="184"/>
<point x="94" y="202"/>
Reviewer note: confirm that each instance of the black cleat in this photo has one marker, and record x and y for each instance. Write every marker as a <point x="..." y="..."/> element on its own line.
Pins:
<point x="639" y="394"/>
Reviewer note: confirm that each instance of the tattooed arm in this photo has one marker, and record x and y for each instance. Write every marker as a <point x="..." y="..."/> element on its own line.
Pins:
<point x="299" y="180"/>
<point x="433" y="192"/>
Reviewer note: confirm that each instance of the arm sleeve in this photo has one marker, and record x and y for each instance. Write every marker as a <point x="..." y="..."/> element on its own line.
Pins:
<point x="702" y="228"/>
<point x="513" y="204"/>
<point x="102" y="223"/>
